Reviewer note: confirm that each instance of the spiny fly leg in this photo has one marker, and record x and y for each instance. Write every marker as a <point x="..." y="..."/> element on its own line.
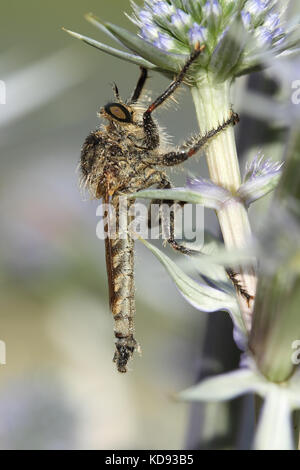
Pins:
<point x="177" y="157"/>
<point x="168" y="223"/>
<point x="151" y="133"/>
<point x="178" y="80"/>
<point x="139" y="86"/>
<point x="233" y="277"/>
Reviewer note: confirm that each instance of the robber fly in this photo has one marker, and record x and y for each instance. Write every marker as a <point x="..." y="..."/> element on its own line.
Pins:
<point x="123" y="157"/>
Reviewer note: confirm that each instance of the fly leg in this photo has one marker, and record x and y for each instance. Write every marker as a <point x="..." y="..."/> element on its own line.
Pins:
<point x="233" y="277"/>
<point x="168" y="222"/>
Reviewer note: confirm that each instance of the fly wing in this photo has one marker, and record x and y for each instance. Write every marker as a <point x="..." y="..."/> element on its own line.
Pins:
<point x="108" y="248"/>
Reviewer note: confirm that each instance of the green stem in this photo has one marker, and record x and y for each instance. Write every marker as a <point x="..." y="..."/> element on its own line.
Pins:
<point x="212" y="103"/>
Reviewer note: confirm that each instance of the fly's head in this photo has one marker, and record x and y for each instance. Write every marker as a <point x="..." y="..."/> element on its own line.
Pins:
<point x="122" y="117"/>
<point x="118" y="114"/>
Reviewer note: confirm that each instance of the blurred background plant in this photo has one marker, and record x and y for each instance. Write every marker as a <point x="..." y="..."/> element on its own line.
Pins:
<point x="54" y="312"/>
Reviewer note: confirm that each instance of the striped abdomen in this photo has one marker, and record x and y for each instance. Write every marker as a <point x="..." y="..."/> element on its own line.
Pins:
<point x="120" y="270"/>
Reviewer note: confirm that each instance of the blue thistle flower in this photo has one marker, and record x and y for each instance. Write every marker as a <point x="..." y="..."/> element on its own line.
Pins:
<point x="164" y="42"/>
<point x="197" y="33"/>
<point x="246" y="17"/>
<point x="212" y="8"/>
<point x="149" y="32"/>
<point x="161" y="8"/>
<point x="254" y="23"/>
<point x="180" y="19"/>
<point x="239" y="36"/>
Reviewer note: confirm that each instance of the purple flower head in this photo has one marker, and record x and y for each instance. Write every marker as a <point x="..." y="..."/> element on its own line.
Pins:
<point x="212" y="8"/>
<point x="176" y="26"/>
<point x="246" y="17"/>
<point x="164" y="42"/>
<point x="208" y="189"/>
<point x="145" y="16"/>
<point x="180" y="19"/>
<point x="256" y="7"/>
<point x="162" y="8"/>
<point x="197" y="34"/>
<point x="272" y="21"/>
<point x="149" y="32"/>
<point x="279" y="36"/>
<point x="264" y="36"/>
<point x="261" y="167"/>
<point x="261" y="177"/>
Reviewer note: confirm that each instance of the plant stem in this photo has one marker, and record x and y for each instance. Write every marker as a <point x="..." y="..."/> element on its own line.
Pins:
<point x="296" y="429"/>
<point x="212" y="103"/>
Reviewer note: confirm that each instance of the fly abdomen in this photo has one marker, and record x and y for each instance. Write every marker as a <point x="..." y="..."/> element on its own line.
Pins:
<point x="125" y="348"/>
<point x="121" y="268"/>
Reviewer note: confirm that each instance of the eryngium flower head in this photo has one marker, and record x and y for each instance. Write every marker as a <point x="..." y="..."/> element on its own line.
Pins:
<point x="238" y="35"/>
<point x="176" y="25"/>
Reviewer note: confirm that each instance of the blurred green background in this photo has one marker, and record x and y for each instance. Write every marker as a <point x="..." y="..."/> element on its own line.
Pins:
<point x="59" y="388"/>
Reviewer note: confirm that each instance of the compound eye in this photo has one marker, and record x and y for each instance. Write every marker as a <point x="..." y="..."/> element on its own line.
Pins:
<point x="118" y="112"/>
